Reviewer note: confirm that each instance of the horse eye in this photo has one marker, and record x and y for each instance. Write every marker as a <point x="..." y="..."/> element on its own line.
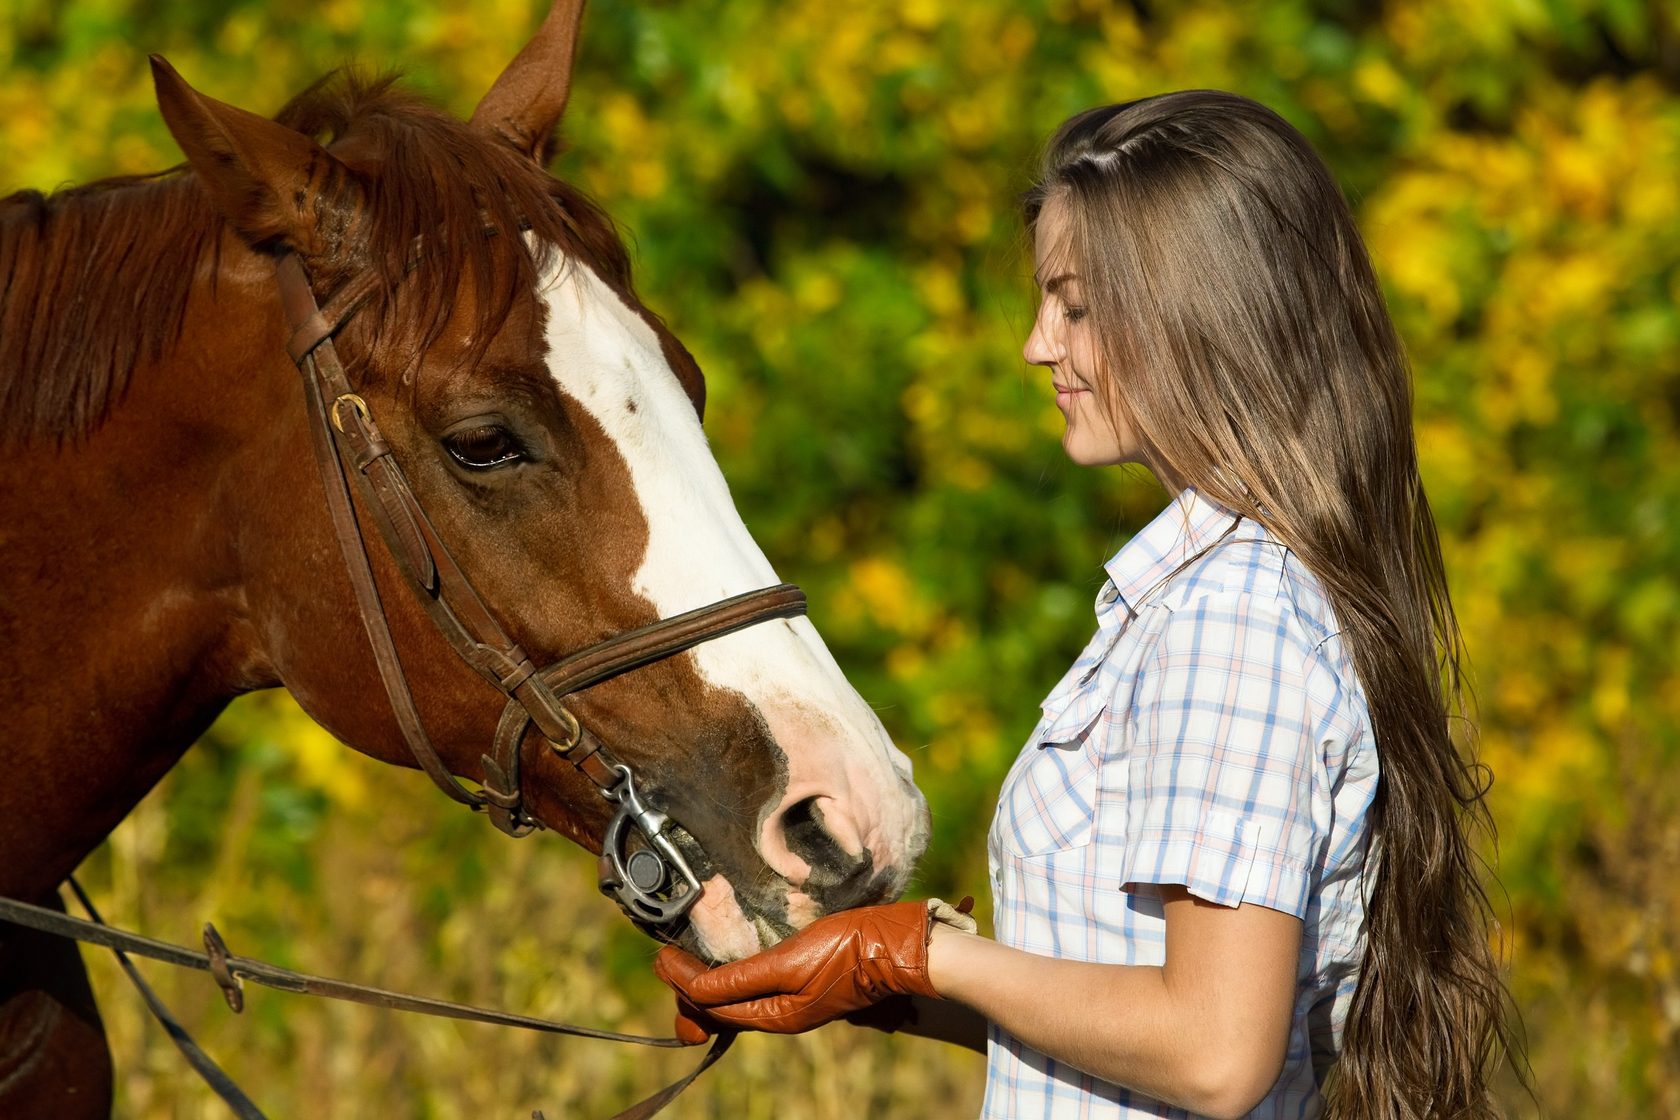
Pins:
<point x="489" y="445"/>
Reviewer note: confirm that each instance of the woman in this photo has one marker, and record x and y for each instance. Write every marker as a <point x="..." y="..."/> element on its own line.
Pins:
<point x="1232" y="867"/>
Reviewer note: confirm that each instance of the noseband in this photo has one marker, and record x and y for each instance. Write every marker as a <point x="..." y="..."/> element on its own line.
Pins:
<point x="652" y="881"/>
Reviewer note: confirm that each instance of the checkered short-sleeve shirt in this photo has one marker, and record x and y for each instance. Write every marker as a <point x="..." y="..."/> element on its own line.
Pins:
<point x="1213" y="735"/>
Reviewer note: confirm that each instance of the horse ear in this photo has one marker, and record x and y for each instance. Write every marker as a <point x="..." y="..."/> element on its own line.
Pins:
<point x="266" y="179"/>
<point x="524" y="107"/>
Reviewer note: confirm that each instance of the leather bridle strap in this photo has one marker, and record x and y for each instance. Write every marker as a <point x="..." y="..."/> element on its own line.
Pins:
<point x="347" y="440"/>
<point x="348" y="532"/>
<point x="630" y="650"/>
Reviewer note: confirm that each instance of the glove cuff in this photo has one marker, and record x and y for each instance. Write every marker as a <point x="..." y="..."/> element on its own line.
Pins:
<point x="957" y="917"/>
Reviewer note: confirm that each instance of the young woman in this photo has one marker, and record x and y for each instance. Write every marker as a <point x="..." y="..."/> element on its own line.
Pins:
<point x="1231" y="867"/>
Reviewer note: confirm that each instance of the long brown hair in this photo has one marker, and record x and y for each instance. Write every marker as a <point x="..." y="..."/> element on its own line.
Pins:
<point x="1249" y="347"/>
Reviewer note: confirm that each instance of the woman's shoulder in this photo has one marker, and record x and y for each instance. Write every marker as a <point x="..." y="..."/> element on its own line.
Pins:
<point x="1252" y="582"/>
<point x="1247" y="561"/>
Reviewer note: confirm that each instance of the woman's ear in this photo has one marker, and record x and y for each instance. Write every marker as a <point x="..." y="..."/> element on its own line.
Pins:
<point x="274" y="185"/>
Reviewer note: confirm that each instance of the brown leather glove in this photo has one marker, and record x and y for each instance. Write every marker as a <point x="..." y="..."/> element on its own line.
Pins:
<point x="693" y="1025"/>
<point x="838" y="964"/>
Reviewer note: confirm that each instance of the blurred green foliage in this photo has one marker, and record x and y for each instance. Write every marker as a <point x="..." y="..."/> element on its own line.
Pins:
<point x="822" y="200"/>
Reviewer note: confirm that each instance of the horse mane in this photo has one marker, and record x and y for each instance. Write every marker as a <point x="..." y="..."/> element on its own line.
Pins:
<point x="95" y="279"/>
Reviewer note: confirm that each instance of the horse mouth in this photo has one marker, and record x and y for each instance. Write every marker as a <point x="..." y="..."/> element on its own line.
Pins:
<point x="738" y="914"/>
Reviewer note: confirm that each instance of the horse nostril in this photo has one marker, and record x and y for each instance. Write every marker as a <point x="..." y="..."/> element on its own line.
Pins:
<point x="807" y="837"/>
<point x="817" y="844"/>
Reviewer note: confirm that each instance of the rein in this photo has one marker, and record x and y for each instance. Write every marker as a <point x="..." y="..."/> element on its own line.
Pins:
<point x="230" y="971"/>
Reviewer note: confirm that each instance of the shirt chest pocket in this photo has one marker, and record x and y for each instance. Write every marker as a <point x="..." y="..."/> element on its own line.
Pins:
<point x="1049" y="800"/>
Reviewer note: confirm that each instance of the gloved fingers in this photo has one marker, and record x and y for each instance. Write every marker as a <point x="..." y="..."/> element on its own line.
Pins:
<point x="677" y="968"/>
<point x="755" y="978"/>
<point x="773" y="1015"/>
<point x="693" y="1025"/>
<point x="775" y="972"/>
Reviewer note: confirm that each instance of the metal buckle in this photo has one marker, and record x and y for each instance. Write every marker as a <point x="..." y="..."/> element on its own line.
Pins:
<point x="233" y="987"/>
<point x="574" y="731"/>
<point x="356" y="403"/>
<point x="645" y="882"/>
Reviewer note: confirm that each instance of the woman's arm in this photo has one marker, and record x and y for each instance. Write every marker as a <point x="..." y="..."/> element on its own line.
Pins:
<point x="1207" y="1031"/>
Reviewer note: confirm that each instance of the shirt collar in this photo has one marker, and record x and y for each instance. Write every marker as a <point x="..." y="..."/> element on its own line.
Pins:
<point x="1188" y="524"/>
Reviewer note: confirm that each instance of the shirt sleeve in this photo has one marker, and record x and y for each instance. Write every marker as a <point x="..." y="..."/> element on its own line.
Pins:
<point x="1223" y="793"/>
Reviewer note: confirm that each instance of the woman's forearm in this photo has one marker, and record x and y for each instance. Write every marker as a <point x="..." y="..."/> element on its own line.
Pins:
<point x="1111" y="1021"/>
<point x="1207" y="1036"/>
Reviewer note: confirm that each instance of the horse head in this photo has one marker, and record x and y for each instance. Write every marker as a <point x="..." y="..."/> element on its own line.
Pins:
<point x="549" y="425"/>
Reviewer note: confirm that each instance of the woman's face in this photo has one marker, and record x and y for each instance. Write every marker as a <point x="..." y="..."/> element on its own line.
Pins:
<point x="1064" y="341"/>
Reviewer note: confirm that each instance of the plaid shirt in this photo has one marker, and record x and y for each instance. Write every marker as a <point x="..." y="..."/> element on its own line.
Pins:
<point x="1213" y="734"/>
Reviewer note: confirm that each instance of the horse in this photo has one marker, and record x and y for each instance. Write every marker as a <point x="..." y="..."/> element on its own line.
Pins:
<point x="168" y="544"/>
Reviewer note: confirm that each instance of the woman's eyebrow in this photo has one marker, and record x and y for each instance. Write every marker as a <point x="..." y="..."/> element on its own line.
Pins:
<point x="1055" y="282"/>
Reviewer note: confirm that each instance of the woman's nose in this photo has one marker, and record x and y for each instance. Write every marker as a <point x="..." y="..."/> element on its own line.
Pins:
<point x="1040" y="349"/>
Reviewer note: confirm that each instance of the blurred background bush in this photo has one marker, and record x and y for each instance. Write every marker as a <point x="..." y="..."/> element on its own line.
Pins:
<point x="822" y="200"/>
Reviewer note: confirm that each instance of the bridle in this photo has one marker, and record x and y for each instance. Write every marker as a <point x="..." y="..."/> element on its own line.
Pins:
<point x="640" y="865"/>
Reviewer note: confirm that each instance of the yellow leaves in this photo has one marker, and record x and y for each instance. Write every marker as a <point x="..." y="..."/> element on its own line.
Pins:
<point x="816" y="291"/>
<point x="922" y="405"/>
<point x="827" y="537"/>
<point x="968" y="122"/>
<point x="1412" y="245"/>
<point x="638" y="146"/>
<point x="901" y="51"/>
<point x="884" y="589"/>
<point x="1612" y="692"/>
<point x="135" y="155"/>
<point x="1521" y="694"/>
<point x="320" y="759"/>
<point x="28" y="121"/>
<point x="1447" y="456"/>
<point x="906" y="662"/>
<point x="341" y="15"/>
<point x="646" y="178"/>
<point x="240" y="33"/>
<point x="1017" y="38"/>
<point x="971" y="736"/>
<point x="1376" y="80"/>
<point x="1519" y="390"/>
<point x="969" y="472"/>
<point x="1576" y="177"/>
<point x="939" y="285"/>
<point x="1534" y="772"/>
<point x="924" y="15"/>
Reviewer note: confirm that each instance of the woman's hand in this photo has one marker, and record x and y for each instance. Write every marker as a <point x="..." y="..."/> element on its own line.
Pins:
<point x="837" y="965"/>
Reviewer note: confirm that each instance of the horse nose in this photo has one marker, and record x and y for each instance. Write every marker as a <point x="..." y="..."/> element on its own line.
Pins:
<point x="818" y="843"/>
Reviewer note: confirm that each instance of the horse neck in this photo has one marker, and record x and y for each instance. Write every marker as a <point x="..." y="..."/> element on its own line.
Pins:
<point x="125" y="630"/>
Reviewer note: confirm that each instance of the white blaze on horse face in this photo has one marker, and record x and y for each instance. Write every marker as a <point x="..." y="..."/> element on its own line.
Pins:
<point x="606" y="357"/>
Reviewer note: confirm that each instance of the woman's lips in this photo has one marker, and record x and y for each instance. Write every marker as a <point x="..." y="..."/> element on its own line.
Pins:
<point x="1065" y="395"/>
